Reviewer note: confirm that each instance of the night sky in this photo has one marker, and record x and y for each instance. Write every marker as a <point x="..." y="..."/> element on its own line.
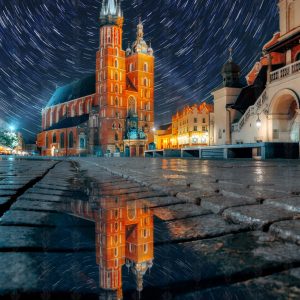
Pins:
<point x="49" y="43"/>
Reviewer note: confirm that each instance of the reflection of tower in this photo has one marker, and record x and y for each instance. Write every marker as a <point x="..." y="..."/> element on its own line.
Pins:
<point x="110" y="244"/>
<point x="124" y="231"/>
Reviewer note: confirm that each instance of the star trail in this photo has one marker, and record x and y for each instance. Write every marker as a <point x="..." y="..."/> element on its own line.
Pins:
<point x="49" y="43"/>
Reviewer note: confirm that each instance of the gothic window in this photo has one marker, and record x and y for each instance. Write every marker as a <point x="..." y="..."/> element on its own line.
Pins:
<point x="116" y="76"/>
<point x="120" y="126"/>
<point x="116" y="137"/>
<point x="116" y="102"/>
<point x="62" y="140"/>
<point x="116" y="252"/>
<point x="145" y="82"/>
<point x="73" y="111"/>
<point x="82" y="143"/>
<point x="116" y="63"/>
<point x="145" y="248"/>
<point x="146" y="67"/>
<point x="116" y="89"/>
<point x="54" y="138"/>
<point x="113" y="126"/>
<point x="71" y="140"/>
<point x="131" y="105"/>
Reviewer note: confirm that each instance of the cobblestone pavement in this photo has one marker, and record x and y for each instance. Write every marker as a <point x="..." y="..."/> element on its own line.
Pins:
<point x="222" y="229"/>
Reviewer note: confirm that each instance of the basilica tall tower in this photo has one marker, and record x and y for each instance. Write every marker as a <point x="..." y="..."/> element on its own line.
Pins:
<point x="124" y="86"/>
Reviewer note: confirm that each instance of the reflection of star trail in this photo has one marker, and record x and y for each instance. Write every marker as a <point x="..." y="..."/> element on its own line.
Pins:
<point x="47" y="43"/>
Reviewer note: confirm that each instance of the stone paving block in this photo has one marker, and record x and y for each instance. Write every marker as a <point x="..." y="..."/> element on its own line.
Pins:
<point x="42" y="197"/>
<point x="292" y="203"/>
<point x="169" y="189"/>
<point x="42" y="272"/>
<point x="162" y="201"/>
<point x="280" y="286"/>
<point x="219" y="261"/>
<point x="49" y="186"/>
<point x="40" y="218"/>
<point x="7" y="192"/>
<point x="46" y="239"/>
<point x="4" y="200"/>
<point x="257" y="216"/>
<point x="196" y="196"/>
<point x="258" y="194"/>
<point x="218" y="204"/>
<point x="207" y="226"/>
<point x="11" y="187"/>
<point x="179" y="211"/>
<point x="117" y="192"/>
<point x="37" y="205"/>
<point x="287" y="230"/>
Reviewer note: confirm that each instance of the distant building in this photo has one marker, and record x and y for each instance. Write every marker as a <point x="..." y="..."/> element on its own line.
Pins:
<point x="192" y="126"/>
<point x="112" y="110"/>
<point x="267" y="109"/>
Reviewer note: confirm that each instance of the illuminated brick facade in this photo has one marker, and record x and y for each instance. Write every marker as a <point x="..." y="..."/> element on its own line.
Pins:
<point x="111" y="111"/>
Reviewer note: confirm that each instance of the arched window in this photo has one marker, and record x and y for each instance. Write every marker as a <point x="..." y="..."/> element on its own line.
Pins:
<point x="80" y="108"/>
<point x="116" y="102"/>
<point x="131" y="105"/>
<point x="113" y="126"/>
<point x="120" y="126"/>
<point x="54" y="138"/>
<point x="117" y="51"/>
<point x="82" y="143"/>
<point x="145" y="82"/>
<point x="146" y="67"/>
<point x="116" y="137"/>
<point x="116" y="76"/>
<point x="73" y="111"/>
<point x="71" y="140"/>
<point x="116" y="63"/>
<point x="62" y="140"/>
<point x="116" y="89"/>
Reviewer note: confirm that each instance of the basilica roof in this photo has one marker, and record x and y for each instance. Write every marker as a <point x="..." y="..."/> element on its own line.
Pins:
<point x="70" y="122"/>
<point x="77" y="89"/>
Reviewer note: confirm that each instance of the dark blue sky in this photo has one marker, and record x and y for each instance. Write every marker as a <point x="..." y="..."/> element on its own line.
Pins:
<point x="49" y="43"/>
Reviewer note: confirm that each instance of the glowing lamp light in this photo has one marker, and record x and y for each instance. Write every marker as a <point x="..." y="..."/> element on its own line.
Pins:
<point x="153" y="129"/>
<point x="258" y="122"/>
<point x="12" y="128"/>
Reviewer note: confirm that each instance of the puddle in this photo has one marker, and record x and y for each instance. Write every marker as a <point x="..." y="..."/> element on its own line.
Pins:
<point x="124" y="239"/>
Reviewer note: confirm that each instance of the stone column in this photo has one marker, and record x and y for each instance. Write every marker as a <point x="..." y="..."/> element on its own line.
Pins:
<point x="269" y="68"/>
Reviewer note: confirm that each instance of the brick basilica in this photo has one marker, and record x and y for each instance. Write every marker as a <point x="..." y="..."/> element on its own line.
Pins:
<point x="111" y="111"/>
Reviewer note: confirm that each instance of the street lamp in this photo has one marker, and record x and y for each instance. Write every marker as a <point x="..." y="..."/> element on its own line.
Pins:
<point x="258" y="122"/>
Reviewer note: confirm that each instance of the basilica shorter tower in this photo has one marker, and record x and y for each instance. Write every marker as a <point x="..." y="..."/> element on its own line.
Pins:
<point x="111" y="111"/>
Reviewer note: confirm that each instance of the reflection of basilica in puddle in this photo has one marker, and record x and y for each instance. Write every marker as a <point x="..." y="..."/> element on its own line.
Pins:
<point x="124" y="236"/>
